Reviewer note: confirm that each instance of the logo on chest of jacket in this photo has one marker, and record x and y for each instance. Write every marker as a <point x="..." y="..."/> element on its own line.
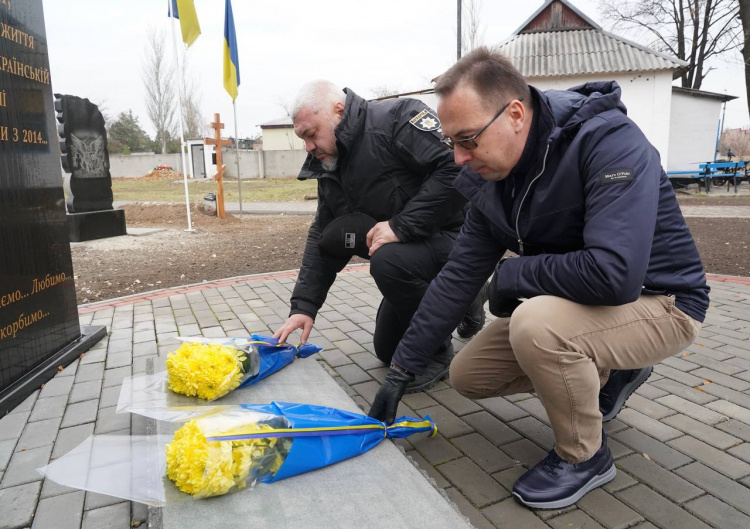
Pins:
<point x="350" y="240"/>
<point x="613" y="176"/>
<point x="426" y="121"/>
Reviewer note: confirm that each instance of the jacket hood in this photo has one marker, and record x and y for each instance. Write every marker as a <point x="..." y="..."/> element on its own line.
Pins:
<point x="572" y="107"/>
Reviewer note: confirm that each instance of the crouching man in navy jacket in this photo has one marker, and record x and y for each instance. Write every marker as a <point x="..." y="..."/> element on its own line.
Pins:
<point x="609" y="271"/>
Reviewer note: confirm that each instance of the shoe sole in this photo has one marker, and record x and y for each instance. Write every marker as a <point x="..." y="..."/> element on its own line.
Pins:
<point x="432" y="382"/>
<point x="596" y="481"/>
<point x="627" y="391"/>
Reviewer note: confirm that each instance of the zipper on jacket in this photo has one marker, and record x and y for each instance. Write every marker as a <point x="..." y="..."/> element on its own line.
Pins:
<point x="518" y="214"/>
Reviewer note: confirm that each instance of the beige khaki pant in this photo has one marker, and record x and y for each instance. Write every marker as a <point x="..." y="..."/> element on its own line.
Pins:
<point x="563" y="352"/>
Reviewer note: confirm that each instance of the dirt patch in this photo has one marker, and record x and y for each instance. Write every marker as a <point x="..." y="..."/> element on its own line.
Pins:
<point x="163" y="174"/>
<point x="218" y="249"/>
<point x="714" y="201"/>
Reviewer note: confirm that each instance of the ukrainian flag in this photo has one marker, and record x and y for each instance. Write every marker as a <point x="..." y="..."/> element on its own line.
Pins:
<point x="231" y="60"/>
<point x="184" y="10"/>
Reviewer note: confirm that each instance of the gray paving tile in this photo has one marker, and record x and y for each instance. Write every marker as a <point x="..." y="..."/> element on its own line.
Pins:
<point x="19" y="504"/>
<point x="535" y="407"/>
<point x="650" y="392"/>
<point x="649" y="407"/>
<point x="502" y="409"/>
<point x="723" y="379"/>
<point x="524" y="451"/>
<point x="724" y="488"/>
<point x="85" y="391"/>
<point x="69" y="438"/>
<point x="353" y="374"/>
<point x="50" y="488"/>
<point x="711" y="457"/>
<point x="736" y="428"/>
<point x="699" y="413"/>
<point x="622" y="481"/>
<point x="37" y="434"/>
<point x="658" y="509"/>
<point x="681" y="390"/>
<point x="717" y="513"/>
<point x="574" y="519"/>
<point x="424" y="465"/>
<point x="80" y="413"/>
<point x="115" y="516"/>
<point x="656" y="477"/>
<point x="448" y="424"/>
<point x="113" y="377"/>
<point x="647" y="425"/>
<point x="483" y="453"/>
<point x="60" y="512"/>
<point x="731" y="410"/>
<point x="679" y="376"/>
<point x="535" y="430"/>
<point x="664" y="455"/>
<point x="490" y="427"/>
<point x="419" y="400"/>
<point x="6" y="450"/>
<point x="708" y="434"/>
<point x="478" y="487"/>
<point x="735" y="397"/>
<point x="89" y="372"/>
<point x="12" y="425"/>
<point x="476" y="518"/>
<point x="455" y="402"/>
<point x="436" y="450"/>
<point x="56" y="387"/>
<point x="510" y="514"/>
<point x="367" y="361"/>
<point x="23" y="465"/>
<point x="716" y="365"/>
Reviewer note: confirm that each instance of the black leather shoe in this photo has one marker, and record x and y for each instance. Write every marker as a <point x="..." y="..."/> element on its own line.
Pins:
<point x="474" y="319"/>
<point x="436" y="371"/>
<point x="620" y="385"/>
<point x="554" y="483"/>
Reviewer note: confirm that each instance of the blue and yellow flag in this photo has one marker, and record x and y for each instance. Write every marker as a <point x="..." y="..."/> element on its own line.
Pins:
<point x="184" y="11"/>
<point x="231" y="59"/>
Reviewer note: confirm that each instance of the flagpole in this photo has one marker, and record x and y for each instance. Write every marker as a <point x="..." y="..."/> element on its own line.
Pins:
<point x="182" y="133"/>
<point x="237" y="152"/>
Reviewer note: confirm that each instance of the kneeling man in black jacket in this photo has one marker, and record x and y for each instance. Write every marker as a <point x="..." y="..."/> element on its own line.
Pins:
<point x="385" y="193"/>
<point x="610" y="272"/>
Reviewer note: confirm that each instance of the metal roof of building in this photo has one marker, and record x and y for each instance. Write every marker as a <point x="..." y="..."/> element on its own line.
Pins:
<point x="576" y="52"/>
<point x="284" y="122"/>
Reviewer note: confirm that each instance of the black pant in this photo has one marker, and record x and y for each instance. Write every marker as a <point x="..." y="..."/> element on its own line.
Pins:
<point x="402" y="272"/>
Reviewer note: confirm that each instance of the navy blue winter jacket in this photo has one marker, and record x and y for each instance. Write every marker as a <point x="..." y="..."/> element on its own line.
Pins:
<point x="594" y="220"/>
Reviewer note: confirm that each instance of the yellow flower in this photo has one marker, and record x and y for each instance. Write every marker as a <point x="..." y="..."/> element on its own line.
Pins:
<point x="208" y="371"/>
<point x="211" y="468"/>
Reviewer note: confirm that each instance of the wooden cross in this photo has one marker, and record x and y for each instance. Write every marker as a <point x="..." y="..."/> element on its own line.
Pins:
<point x="217" y="125"/>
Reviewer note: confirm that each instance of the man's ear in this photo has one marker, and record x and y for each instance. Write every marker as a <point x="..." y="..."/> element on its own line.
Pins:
<point x="518" y="114"/>
<point x="338" y="108"/>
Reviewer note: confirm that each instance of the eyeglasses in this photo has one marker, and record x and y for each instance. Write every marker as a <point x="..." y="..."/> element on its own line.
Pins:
<point x="470" y="143"/>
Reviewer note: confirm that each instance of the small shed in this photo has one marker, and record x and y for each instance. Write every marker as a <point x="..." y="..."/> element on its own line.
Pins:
<point x="278" y="135"/>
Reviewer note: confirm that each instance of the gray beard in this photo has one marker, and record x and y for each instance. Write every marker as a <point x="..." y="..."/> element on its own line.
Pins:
<point x="331" y="164"/>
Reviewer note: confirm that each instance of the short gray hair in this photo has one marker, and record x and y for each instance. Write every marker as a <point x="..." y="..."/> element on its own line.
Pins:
<point x="317" y="95"/>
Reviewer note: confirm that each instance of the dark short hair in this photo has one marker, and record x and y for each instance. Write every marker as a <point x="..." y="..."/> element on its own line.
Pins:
<point x="490" y="73"/>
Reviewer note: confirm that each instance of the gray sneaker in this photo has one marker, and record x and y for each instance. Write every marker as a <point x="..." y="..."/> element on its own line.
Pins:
<point x="436" y="371"/>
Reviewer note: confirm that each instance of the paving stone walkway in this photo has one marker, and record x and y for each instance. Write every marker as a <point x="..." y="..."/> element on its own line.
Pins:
<point x="682" y="444"/>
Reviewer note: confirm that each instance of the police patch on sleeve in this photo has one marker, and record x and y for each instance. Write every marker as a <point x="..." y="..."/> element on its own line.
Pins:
<point x="613" y="176"/>
<point x="426" y="121"/>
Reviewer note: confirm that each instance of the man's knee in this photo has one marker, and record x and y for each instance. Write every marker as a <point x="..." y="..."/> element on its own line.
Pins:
<point x="386" y="264"/>
<point x="463" y="381"/>
<point x="533" y="324"/>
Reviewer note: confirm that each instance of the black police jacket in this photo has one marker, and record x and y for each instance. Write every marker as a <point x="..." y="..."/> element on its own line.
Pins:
<point x="392" y="167"/>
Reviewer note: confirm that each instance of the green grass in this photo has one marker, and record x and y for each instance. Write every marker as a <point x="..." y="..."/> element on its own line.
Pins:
<point x="265" y="190"/>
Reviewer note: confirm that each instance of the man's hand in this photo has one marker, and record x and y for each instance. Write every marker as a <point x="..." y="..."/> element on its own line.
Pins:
<point x="379" y="235"/>
<point x="295" y="321"/>
<point x="389" y="395"/>
<point x="500" y="306"/>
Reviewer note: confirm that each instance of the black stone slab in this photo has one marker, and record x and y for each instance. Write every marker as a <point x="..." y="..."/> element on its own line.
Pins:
<point x="38" y="311"/>
<point x="83" y="142"/>
<point x="96" y="225"/>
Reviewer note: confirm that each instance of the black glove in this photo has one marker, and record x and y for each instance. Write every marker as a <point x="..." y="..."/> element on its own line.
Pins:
<point x="500" y="306"/>
<point x="389" y="395"/>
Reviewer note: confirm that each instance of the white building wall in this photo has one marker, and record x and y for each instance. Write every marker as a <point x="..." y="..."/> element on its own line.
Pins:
<point x="694" y="124"/>
<point x="647" y="96"/>
<point x="281" y="139"/>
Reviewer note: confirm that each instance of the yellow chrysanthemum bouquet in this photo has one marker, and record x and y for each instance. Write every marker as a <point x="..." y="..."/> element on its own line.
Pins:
<point x="208" y="369"/>
<point x="223" y="449"/>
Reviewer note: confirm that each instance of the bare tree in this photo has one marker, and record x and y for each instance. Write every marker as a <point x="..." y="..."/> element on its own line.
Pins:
<point x="737" y="141"/>
<point x="691" y="30"/>
<point x="193" y="121"/>
<point x="472" y="31"/>
<point x="383" y="90"/>
<point x="286" y="105"/>
<point x="744" y="10"/>
<point x="158" y="79"/>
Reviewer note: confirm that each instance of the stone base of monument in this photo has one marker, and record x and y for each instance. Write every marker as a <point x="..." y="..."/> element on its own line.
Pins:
<point x="43" y="373"/>
<point x="379" y="489"/>
<point x="96" y="225"/>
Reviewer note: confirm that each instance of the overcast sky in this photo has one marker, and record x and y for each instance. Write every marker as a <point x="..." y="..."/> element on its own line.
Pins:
<point x="96" y="50"/>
